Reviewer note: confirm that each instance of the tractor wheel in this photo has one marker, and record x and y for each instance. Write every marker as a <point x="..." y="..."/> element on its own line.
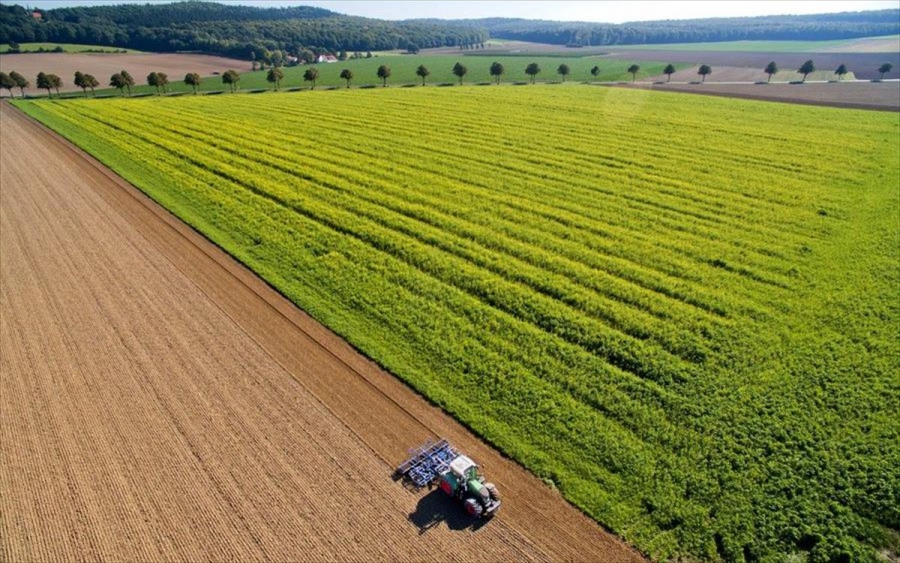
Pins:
<point x="492" y="490"/>
<point x="447" y="487"/>
<point x="473" y="507"/>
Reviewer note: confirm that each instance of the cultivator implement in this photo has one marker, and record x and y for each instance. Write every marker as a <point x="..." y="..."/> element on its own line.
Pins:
<point x="426" y="463"/>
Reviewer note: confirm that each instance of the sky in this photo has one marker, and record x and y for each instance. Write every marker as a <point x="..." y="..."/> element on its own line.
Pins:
<point x="594" y="11"/>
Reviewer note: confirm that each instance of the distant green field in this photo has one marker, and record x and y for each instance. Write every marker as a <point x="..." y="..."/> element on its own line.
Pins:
<point x="67" y="47"/>
<point x="403" y="72"/>
<point x="763" y="46"/>
<point x="681" y="310"/>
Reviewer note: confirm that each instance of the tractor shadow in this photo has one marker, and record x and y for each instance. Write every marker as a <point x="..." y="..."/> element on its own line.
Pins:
<point x="436" y="508"/>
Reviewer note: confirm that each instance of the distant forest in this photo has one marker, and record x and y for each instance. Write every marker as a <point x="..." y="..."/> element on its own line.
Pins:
<point x="240" y="31"/>
<point x="236" y="31"/>
<point x="845" y="25"/>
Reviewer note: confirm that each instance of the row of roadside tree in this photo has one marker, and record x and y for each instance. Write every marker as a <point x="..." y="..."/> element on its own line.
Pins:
<point x="124" y="81"/>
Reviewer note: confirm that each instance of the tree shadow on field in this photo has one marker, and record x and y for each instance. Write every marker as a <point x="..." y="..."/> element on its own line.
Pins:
<point x="436" y="508"/>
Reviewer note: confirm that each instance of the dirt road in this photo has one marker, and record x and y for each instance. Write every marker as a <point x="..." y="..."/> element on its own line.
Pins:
<point x="158" y="402"/>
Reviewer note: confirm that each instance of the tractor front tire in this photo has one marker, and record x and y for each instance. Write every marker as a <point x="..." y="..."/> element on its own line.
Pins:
<point x="473" y="507"/>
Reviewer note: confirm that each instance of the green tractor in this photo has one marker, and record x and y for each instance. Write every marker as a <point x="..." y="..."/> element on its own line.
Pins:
<point x="458" y="476"/>
<point x="462" y="481"/>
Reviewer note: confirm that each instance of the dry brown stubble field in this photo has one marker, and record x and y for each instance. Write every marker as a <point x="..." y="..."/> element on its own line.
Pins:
<point x="104" y="65"/>
<point x="158" y="402"/>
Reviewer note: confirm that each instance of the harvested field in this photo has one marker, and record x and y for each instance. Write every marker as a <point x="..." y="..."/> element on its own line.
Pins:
<point x="888" y="44"/>
<point x="745" y="74"/>
<point x="102" y="66"/>
<point x="859" y="95"/>
<point x="158" y="402"/>
<point x="863" y="65"/>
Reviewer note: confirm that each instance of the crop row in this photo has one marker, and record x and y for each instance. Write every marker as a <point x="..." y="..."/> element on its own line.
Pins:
<point x="573" y="211"/>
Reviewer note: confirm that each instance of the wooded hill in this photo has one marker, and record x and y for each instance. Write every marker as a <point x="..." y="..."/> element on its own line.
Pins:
<point x="228" y="30"/>
<point x="845" y="25"/>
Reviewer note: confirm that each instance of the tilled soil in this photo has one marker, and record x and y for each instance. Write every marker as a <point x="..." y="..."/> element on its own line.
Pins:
<point x="158" y="402"/>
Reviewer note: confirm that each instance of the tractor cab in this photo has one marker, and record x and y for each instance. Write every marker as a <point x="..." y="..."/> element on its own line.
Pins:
<point x="464" y="468"/>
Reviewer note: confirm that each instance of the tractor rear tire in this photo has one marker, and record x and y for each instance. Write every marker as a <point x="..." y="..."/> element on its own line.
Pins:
<point x="473" y="507"/>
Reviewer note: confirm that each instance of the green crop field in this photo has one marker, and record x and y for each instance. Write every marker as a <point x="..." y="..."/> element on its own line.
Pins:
<point x="403" y="72"/>
<point x="682" y="311"/>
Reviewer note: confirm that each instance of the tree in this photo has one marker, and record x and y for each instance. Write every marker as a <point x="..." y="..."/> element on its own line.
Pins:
<point x="563" y="70"/>
<point x="192" y="79"/>
<point x="163" y="79"/>
<point x="532" y="70"/>
<point x="841" y="71"/>
<point x="347" y="75"/>
<point x="384" y="72"/>
<point x="43" y="82"/>
<point x="704" y="71"/>
<point x="55" y="82"/>
<point x="48" y="82"/>
<point x="274" y="76"/>
<point x="497" y="71"/>
<point x="277" y="58"/>
<point x="771" y="69"/>
<point x="460" y="70"/>
<point x="21" y="82"/>
<point x="7" y="82"/>
<point x="806" y="69"/>
<point x="232" y="78"/>
<point x="634" y="69"/>
<point x="311" y="75"/>
<point x="422" y="72"/>
<point x="79" y="81"/>
<point x="129" y="81"/>
<point x="669" y="71"/>
<point x="91" y="83"/>
<point x="883" y="69"/>
<point x="117" y="81"/>
<point x="595" y="72"/>
<point x="153" y="80"/>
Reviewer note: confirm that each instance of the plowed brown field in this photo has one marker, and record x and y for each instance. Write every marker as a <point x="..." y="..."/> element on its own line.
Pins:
<point x="159" y="402"/>
<point x="102" y="65"/>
